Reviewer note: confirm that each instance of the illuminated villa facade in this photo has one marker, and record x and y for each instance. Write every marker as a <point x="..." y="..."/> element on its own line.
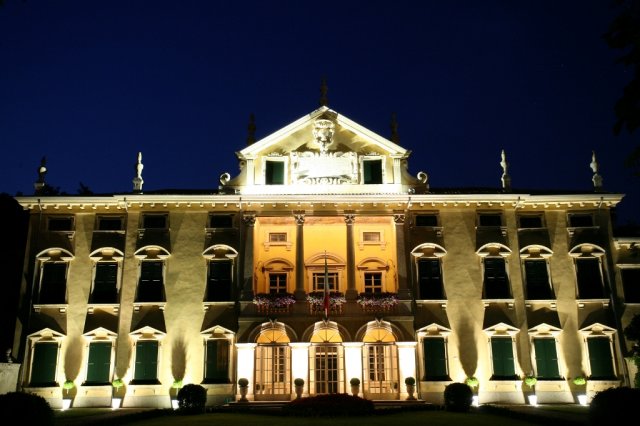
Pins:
<point x="157" y="288"/>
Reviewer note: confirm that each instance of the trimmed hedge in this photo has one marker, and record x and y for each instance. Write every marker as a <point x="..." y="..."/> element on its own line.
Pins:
<point x="619" y="402"/>
<point x="458" y="397"/>
<point x="192" y="399"/>
<point x="30" y="408"/>
<point x="331" y="405"/>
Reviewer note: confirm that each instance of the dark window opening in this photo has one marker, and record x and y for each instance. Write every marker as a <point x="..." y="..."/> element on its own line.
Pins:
<point x="105" y="285"/>
<point x="537" y="280"/>
<point x="60" y="224"/>
<point x="427" y="220"/>
<point x="110" y="224"/>
<point x="53" y="286"/>
<point x="220" y="221"/>
<point x="589" y="276"/>
<point x="490" y="220"/>
<point x="600" y="358"/>
<point x="274" y="173"/>
<point x="219" y="281"/>
<point x="150" y="287"/>
<point x="496" y="282"/>
<point x="435" y="359"/>
<point x="530" y="222"/>
<point x="631" y="284"/>
<point x="372" y="171"/>
<point x="580" y="220"/>
<point x="430" y="279"/>
<point x="217" y="363"/>
<point x="154" y="221"/>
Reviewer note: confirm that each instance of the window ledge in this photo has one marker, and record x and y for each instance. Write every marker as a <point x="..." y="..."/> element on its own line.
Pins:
<point x="551" y="302"/>
<point x="138" y="305"/>
<point x="207" y="305"/>
<point x="572" y="229"/>
<point x="61" y="307"/>
<point x="487" y="302"/>
<point x="582" y="302"/>
<point x="92" y="306"/>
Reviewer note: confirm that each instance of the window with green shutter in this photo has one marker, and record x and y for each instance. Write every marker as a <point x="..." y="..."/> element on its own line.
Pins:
<point x="53" y="286"/>
<point x="496" y="282"/>
<point x="44" y="364"/>
<point x="219" y="281"/>
<point x="372" y="171"/>
<point x="274" y="173"/>
<point x="537" y="280"/>
<point x="546" y="358"/>
<point x="99" y="363"/>
<point x="146" y="369"/>
<point x="589" y="277"/>
<point x="150" y="287"/>
<point x="217" y="362"/>
<point x="435" y="359"/>
<point x="430" y="279"/>
<point x="503" y="360"/>
<point x="105" y="284"/>
<point x="600" y="358"/>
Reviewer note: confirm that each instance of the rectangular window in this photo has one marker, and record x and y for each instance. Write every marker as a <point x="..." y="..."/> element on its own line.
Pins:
<point x="219" y="281"/>
<point x="53" y="285"/>
<point x="319" y="278"/>
<point x="502" y="357"/>
<point x="217" y="364"/>
<point x="546" y="358"/>
<point x="274" y="173"/>
<point x="220" y="221"/>
<point x="435" y="359"/>
<point x="155" y="221"/>
<point x="326" y="369"/>
<point x="537" y="280"/>
<point x="105" y="284"/>
<point x="580" y="220"/>
<point x="110" y="223"/>
<point x="43" y="366"/>
<point x="277" y="237"/>
<point x="631" y="284"/>
<point x="277" y="282"/>
<point x="150" y="287"/>
<point x="490" y="219"/>
<point x="60" y="224"/>
<point x="530" y="221"/>
<point x="372" y="171"/>
<point x="272" y="369"/>
<point x="427" y="220"/>
<point x="589" y="276"/>
<point x="146" y="368"/>
<point x="373" y="282"/>
<point x="496" y="282"/>
<point x="430" y="279"/>
<point x="371" y="237"/>
<point x="600" y="358"/>
<point x="99" y="363"/>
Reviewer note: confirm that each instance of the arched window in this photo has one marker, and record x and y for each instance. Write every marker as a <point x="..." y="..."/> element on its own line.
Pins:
<point x="380" y="359"/>
<point x="273" y="359"/>
<point x="326" y="359"/>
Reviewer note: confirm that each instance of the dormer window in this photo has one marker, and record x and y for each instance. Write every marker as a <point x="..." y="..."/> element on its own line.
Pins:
<point x="274" y="172"/>
<point x="372" y="171"/>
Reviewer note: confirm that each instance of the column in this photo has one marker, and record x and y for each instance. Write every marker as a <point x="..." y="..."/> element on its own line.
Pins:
<point x="351" y="293"/>
<point x="245" y="367"/>
<point x="404" y="291"/>
<point x="249" y="221"/>
<point x="299" y="294"/>
<point x="353" y="362"/>
<point x="407" y="363"/>
<point x="300" y="364"/>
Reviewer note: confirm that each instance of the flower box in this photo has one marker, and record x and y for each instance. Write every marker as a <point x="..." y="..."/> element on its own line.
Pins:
<point x="271" y="303"/>
<point x="378" y="302"/>
<point x="316" y="302"/>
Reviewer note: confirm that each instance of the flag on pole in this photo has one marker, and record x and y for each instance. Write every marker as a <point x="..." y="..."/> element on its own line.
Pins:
<point x="326" y="287"/>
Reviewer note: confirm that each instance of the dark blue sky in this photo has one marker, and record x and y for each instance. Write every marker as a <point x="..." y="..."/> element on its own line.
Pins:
<point x="88" y="84"/>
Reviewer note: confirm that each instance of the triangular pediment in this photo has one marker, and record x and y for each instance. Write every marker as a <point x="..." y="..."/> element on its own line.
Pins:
<point x="323" y="152"/>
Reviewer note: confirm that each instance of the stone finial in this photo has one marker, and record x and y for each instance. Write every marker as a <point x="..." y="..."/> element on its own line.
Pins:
<point x="596" y="179"/>
<point x="324" y="101"/>
<point x="506" y="179"/>
<point x="394" y="129"/>
<point x="137" y="181"/>
<point x="251" y="130"/>
<point x="42" y="171"/>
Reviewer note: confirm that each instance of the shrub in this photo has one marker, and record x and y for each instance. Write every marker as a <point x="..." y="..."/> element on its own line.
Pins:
<point x="192" y="399"/>
<point x="409" y="381"/>
<point x="243" y="382"/>
<point x="458" y="397"/>
<point x="530" y="381"/>
<point x="621" y="402"/>
<point x="298" y="382"/>
<point x="337" y="404"/>
<point x="32" y="409"/>
<point x="472" y="381"/>
<point x="579" y="381"/>
<point x="117" y="383"/>
<point x="354" y="381"/>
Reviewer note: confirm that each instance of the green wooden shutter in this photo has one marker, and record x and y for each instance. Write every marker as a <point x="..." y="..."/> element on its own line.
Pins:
<point x="503" y="362"/>
<point x="53" y="288"/>
<point x="146" y="361"/>
<point x="537" y="276"/>
<point x="219" y="281"/>
<point x="600" y="358"/>
<point x="546" y="358"/>
<point x="430" y="279"/>
<point x="217" y="367"/>
<point x="435" y="358"/>
<point x="99" y="365"/>
<point x="45" y="360"/>
<point x="274" y="173"/>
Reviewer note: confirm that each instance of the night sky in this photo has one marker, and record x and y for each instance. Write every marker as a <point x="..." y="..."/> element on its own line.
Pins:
<point x="88" y="84"/>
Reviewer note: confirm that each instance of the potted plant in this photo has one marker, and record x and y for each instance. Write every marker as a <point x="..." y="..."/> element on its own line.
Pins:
<point x="472" y="382"/>
<point x="243" y="386"/>
<point x="299" y="387"/>
<point x="377" y="302"/>
<point x="316" y="301"/>
<point x="116" y="399"/>
<point x="175" y="388"/>
<point x="531" y="380"/>
<point x="581" y="381"/>
<point x="66" y="393"/>
<point x="410" y="383"/>
<point x="273" y="302"/>
<point x="355" y="386"/>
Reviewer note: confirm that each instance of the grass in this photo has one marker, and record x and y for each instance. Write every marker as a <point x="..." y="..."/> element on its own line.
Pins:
<point x="430" y="417"/>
